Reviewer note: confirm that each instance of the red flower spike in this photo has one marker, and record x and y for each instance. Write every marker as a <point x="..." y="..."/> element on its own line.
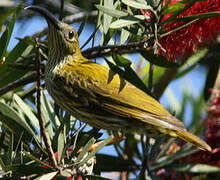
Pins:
<point x="183" y="43"/>
<point x="212" y="137"/>
<point x="147" y="13"/>
<point x="202" y="33"/>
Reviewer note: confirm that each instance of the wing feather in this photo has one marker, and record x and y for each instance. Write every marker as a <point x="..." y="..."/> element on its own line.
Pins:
<point x="128" y="101"/>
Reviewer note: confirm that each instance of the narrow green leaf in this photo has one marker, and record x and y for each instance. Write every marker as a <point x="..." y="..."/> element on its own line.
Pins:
<point x="91" y="154"/>
<point x="186" y="150"/>
<point x="89" y="39"/>
<point x="129" y="75"/>
<point x="46" y="115"/>
<point x="75" y="141"/>
<point x="28" y="170"/>
<point x="194" y="168"/>
<point x="165" y="148"/>
<point x="27" y="40"/>
<point x="10" y="150"/>
<point x="5" y="138"/>
<point x="166" y="4"/>
<point x="12" y="75"/>
<point x="158" y="72"/>
<point x="173" y="18"/>
<point x="22" y="49"/>
<point x="14" y="118"/>
<point x="8" y="111"/>
<point x="27" y="111"/>
<point x="2" y="165"/>
<point x="124" y="36"/>
<point x="95" y="177"/>
<point x="136" y="4"/>
<point x="15" y="128"/>
<point x="158" y="60"/>
<point x="34" y="158"/>
<point x="107" y="36"/>
<point x="111" y="12"/>
<point x="173" y="8"/>
<point x="65" y="173"/>
<point x="82" y="25"/>
<point x="191" y="63"/>
<point x="4" y="16"/>
<point x="61" y="143"/>
<point x="106" y="18"/>
<point x="197" y="16"/>
<point x="4" y="40"/>
<point x="85" y="150"/>
<point x="48" y="176"/>
<point x="60" y="137"/>
<point x="50" y="110"/>
<point x="121" y="61"/>
<point x="127" y="21"/>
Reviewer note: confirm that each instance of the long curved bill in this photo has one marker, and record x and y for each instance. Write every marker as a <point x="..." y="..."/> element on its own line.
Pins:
<point x="45" y="13"/>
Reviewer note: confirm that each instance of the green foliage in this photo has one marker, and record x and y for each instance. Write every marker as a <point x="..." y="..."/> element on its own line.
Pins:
<point x="22" y="149"/>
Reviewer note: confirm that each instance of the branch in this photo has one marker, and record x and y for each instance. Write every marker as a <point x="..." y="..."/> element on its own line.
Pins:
<point x="145" y="165"/>
<point x="101" y="51"/>
<point x="20" y="82"/>
<point x="164" y="81"/>
<point x="42" y="127"/>
<point x="61" y="9"/>
<point x="90" y="53"/>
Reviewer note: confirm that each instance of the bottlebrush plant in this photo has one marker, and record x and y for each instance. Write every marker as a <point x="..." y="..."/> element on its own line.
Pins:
<point x="168" y="40"/>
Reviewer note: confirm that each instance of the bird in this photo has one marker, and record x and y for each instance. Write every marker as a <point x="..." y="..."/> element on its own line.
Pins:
<point x="89" y="92"/>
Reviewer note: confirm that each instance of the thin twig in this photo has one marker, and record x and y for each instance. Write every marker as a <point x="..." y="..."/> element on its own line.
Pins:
<point x="19" y="82"/>
<point x="145" y="159"/>
<point x="150" y="79"/>
<point x="42" y="127"/>
<point x="89" y="39"/>
<point x="164" y="81"/>
<point x="61" y="9"/>
<point x="101" y="51"/>
<point x="179" y="28"/>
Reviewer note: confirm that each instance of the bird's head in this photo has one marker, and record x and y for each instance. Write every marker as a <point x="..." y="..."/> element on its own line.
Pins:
<point x="62" y="38"/>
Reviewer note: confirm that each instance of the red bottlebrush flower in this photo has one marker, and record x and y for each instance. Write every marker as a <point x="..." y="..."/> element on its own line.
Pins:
<point x="212" y="135"/>
<point x="147" y="13"/>
<point x="183" y="43"/>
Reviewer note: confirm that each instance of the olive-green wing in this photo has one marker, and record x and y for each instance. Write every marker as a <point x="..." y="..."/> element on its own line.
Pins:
<point x="120" y="97"/>
<point x="98" y="87"/>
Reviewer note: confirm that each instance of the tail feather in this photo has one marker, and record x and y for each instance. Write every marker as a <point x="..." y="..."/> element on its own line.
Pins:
<point x="191" y="138"/>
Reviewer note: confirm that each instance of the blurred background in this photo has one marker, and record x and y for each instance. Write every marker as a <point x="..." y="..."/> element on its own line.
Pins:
<point x="186" y="96"/>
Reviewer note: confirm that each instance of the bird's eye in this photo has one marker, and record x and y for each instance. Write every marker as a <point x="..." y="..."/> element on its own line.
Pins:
<point x="71" y="35"/>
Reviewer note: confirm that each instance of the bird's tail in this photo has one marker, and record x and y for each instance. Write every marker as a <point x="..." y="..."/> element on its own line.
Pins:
<point x="191" y="138"/>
